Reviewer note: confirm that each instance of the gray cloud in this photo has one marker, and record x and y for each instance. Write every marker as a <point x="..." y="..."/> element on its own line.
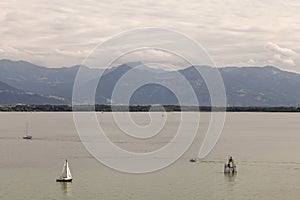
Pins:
<point x="62" y="33"/>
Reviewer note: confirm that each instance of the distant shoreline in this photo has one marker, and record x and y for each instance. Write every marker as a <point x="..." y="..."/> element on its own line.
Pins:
<point x="143" y="108"/>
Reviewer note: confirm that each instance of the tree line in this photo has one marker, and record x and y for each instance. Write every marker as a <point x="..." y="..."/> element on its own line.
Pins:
<point x="141" y="108"/>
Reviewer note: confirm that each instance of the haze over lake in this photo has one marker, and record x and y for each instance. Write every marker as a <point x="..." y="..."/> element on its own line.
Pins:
<point x="265" y="147"/>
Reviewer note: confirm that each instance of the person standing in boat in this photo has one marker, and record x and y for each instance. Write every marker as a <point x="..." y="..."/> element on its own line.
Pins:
<point x="230" y="160"/>
<point x="231" y="164"/>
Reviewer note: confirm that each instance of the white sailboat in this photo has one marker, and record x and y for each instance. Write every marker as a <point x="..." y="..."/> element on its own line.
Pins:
<point x="27" y="136"/>
<point x="66" y="175"/>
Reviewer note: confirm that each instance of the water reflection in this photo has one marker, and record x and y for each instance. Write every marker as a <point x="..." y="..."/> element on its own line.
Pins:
<point x="230" y="178"/>
<point x="230" y="186"/>
<point x="66" y="187"/>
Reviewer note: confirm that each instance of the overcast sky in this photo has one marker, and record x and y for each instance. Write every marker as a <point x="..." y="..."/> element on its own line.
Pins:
<point x="235" y="33"/>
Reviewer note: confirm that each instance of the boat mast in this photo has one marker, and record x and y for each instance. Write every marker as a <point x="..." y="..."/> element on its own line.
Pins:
<point x="26" y="129"/>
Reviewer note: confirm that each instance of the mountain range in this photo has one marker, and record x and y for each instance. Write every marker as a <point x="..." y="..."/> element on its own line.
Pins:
<point x="22" y="82"/>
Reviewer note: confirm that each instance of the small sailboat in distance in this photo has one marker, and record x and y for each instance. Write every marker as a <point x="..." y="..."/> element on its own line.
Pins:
<point x="66" y="175"/>
<point x="27" y="136"/>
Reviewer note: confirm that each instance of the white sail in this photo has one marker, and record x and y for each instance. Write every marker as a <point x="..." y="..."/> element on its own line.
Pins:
<point x="27" y="136"/>
<point x="69" y="175"/>
<point x="66" y="173"/>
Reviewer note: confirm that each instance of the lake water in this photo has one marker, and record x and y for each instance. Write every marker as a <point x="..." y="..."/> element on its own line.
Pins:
<point x="265" y="146"/>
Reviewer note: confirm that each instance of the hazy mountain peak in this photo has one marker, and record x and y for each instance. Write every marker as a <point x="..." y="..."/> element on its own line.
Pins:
<point x="245" y="86"/>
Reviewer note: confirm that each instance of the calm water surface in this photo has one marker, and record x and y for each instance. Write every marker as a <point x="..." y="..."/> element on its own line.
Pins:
<point x="266" y="147"/>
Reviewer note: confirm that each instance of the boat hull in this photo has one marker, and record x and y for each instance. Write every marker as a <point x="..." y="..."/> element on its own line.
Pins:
<point x="63" y="180"/>
<point x="27" y="137"/>
<point x="230" y="169"/>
